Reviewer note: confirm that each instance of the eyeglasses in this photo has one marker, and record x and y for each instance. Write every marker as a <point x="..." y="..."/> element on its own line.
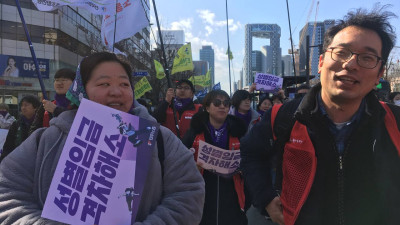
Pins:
<point x="183" y="87"/>
<point x="365" y="60"/>
<point x="60" y="80"/>
<point x="217" y="102"/>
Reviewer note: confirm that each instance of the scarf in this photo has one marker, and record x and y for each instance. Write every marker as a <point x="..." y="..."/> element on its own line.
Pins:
<point x="61" y="100"/>
<point x="219" y="136"/>
<point x="3" y="113"/>
<point x="181" y="103"/>
<point x="245" y="117"/>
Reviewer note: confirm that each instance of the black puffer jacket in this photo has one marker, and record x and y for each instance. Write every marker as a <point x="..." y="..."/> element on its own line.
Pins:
<point x="371" y="165"/>
<point x="229" y="208"/>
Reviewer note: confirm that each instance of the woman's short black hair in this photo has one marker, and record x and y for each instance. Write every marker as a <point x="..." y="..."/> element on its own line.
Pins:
<point x="262" y="100"/>
<point x="239" y="96"/>
<point x="65" y="73"/>
<point x="30" y="99"/>
<point x="89" y="63"/>
<point x="392" y="95"/>
<point x="213" y="95"/>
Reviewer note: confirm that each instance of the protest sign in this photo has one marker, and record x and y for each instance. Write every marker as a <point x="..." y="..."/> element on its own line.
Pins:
<point x="141" y="87"/>
<point x="267" y="82"/>
<point x="101" y="172"/>
<point x="217" y="159"/>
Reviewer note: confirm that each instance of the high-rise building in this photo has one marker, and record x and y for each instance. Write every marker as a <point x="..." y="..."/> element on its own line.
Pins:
<point x="268" y="61"/>
<point x="256" y="61"/>
<point x="269" y="31"/>
<point x="316" y="32"/>
<point x="61" y="38"/>
<point x="287" y="65"/>
<point x="207" y="54"/>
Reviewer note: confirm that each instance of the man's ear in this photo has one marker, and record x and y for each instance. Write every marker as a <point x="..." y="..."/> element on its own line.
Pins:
<point x="321" y="62"/>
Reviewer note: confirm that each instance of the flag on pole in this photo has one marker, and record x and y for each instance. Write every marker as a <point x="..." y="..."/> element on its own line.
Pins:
<point x="98" y="7"/>
<point x="183" y="60"/>
<point x="217" y="86"/>
<point x="131" y="18"/>
<point x="160" y="74"/>
<point x="229" y="53"/>
<point x="197" y="80"/>
<point x="142" y="87"/>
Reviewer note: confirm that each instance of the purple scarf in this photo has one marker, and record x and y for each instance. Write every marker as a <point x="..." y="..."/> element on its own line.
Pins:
<point x="219" y="136"/>
<point x="62" y="100"/>
<point x="245" y="117"/>
<point x="26" y="121"/>
<point x="181" y="103"/>
<point x="3" y="113"/>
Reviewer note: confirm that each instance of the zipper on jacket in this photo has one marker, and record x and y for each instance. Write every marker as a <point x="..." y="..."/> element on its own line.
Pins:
<point x="341" y="184"/>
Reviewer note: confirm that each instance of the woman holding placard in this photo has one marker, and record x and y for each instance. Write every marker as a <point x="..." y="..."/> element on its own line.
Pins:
<point x="225" y="200"/>
<point x="173" y="190"/>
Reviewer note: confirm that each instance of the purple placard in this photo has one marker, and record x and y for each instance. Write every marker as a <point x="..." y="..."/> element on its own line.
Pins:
<point x="217" y="159"/>
<point x="101" y="172"/>
<point x="267" y="82"/>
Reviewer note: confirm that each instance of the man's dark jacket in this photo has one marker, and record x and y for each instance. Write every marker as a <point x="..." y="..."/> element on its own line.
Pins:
<point x="371" y="165"/>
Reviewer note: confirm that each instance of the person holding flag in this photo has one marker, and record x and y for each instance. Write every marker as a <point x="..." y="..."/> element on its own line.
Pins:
<point x="183" y="103"/>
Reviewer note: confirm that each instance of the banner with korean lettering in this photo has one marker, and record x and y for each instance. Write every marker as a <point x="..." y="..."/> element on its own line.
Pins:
<point x="131" y="18"/>
<point x="141" y="87"/>
<point x="99" y="7"/>
<point x="18" y="66"/>
<point x="101" y="172"/>
<point x="267" y="82"/>
<point x="183" y="59"/>
<point x="217" y="159"/>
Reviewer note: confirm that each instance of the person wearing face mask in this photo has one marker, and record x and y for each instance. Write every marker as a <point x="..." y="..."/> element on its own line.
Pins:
<point x="19" y="130"/>
<point x="394" y="98"/>
<point x="241" y="108"/>
<point x="49" y="109"/>
<point x="225" y="199"/>
<point x="174" y="195"/>
<point x="182" y="100"/>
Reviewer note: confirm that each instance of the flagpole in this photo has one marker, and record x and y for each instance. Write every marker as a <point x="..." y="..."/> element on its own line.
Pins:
<point x="166" y="68"/>
<point x="32" y="50"/>
<point x="229" y="49"/>
<point x="115" y="22"/>
<point x="291" y="43"/>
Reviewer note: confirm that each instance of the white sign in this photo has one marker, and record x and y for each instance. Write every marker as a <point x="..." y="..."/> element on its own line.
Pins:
<point x="267" y="82"/>
<point x="217" y="159"/>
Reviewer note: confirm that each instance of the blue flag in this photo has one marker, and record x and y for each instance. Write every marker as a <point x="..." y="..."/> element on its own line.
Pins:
<point x="217" y="86"/>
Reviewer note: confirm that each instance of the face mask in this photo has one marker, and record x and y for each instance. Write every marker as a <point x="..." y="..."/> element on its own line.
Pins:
<point x="397" y="102"/>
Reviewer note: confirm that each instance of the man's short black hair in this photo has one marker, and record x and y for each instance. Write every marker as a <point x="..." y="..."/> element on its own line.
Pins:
<point x="376" y="20"/>
<point x="65" y="73"/>
<point x="186" y="81"/>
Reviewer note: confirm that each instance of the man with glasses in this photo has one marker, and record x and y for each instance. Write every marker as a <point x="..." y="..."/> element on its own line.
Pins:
<point x="182" y="100"/>
<point x="49" y="109"/>
<point x="338" y="148"/>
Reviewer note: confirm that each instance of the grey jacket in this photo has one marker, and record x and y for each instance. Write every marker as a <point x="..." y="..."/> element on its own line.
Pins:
<point x="26" y="174"/>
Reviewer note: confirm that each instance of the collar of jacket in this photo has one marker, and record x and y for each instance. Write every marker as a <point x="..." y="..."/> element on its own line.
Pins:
<point x="309" y="105"/>
<point x="235" y="126"/>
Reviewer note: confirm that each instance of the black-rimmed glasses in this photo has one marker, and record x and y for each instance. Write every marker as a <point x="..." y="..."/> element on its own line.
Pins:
<point x="217" y="102"/>
<point x="365" y="60"/>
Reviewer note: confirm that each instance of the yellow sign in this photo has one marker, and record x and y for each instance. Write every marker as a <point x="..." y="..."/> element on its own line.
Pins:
<point x="207" y="79"/>
<point x="160" y="74"/>
<point x="142" y="87"/>
<point x="183" y="60"/>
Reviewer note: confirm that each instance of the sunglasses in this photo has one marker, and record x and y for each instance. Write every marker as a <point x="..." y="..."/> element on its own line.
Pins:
<point x="218" y="102"/>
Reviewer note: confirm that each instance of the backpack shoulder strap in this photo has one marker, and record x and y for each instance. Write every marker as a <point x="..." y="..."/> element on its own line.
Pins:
<point x="161" y="155"/>
<point x="274" y="112"/>
<point x="392" y="126"/>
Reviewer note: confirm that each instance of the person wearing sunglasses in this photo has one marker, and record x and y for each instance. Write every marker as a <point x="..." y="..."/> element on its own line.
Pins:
<point x="224" y="194"/>
<point x="182" y="99"/>
<point x="338" y="146"/>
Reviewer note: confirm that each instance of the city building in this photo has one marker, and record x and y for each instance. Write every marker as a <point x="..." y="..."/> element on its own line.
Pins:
<point x="287" y="68"/>
<point x="268" y="31"/>
<point x="256" y="61"/>
<point x="61" y="38"/>
<point x="207" y="54"/>
<point x="315" y="32"/>
<point x="271" y="62"/>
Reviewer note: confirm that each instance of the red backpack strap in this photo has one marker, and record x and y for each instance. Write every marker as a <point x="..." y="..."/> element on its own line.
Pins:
<point x="274" y="112"/>
<point x="391" y="126"/>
